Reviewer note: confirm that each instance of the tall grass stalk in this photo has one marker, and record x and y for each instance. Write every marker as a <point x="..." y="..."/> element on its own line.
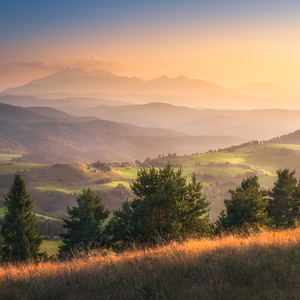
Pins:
<point x="257" y="266"/>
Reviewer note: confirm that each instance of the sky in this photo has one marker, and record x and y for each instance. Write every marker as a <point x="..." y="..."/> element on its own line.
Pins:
<point x="230" y="43"/>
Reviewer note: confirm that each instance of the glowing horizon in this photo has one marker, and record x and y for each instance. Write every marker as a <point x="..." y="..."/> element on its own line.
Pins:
<point x="230" y="44"/>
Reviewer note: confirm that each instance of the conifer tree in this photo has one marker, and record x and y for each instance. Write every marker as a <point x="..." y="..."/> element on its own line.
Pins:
<point x="19" y="227"/>
<point x="165" y="206"/>
<point x="1" y="246"/>
<point x="283" y="202"/>
<point x="247" y="207"/>
<point x="84" y="224"/>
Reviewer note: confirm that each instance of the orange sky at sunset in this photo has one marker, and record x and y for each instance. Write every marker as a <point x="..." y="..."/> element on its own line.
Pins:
<point x="230" y="45"/>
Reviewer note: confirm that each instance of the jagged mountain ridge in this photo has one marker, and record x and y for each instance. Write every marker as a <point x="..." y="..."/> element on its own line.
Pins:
<point x="79" y="81"/>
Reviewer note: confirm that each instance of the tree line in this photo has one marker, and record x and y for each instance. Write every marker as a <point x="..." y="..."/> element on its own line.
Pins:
<point x="165" y="206"/>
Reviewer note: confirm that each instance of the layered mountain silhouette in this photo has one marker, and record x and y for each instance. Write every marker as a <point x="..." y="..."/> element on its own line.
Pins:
<point x="250" y="124"/>
<point x="79" y="81"/>
<point x="46" y="135"/>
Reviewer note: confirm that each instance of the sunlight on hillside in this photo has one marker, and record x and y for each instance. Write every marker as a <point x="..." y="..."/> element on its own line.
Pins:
<point x="230" y="266"/>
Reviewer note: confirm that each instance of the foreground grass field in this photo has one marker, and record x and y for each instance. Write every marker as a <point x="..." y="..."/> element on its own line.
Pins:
<point x="261" y="266"/>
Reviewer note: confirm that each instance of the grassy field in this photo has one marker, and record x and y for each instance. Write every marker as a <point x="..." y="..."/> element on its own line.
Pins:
<point x="51" y="246"/>
<point x="13" y="167"/>
<point x="3" y="209"/>
<point x="8" y="157"/>
<point x="259" y="266"/>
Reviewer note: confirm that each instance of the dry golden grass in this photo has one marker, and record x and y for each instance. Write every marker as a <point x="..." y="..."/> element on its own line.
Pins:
<point x="259" y="266"/>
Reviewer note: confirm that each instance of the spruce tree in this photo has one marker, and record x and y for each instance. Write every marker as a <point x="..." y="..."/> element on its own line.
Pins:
<point x="165" y="206"/>
<point x="19" y="227"/>
<point x="283" y="202"/>
<point x="84" y="226"/>
<point x="246" y="208"/>
<point x="1" y="246"/>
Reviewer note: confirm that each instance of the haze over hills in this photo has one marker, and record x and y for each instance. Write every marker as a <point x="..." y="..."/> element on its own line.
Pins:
<point x="79" y="81"/>
<point x="101" y="87"/>
<point x="290" y="138"/>
<point x="252" y="124"/>
<point x="75" y="102"/>
<point x="260" y="88"/>
<point x="44" y="138"/>
<point x="143" y="118"/>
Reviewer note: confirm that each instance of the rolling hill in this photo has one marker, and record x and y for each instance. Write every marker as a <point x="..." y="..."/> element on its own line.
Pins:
<point x="291" y="138"/>
<point x="45" y="135"/>
<point x="68" y="102"/>
<point x="250" y="124"/>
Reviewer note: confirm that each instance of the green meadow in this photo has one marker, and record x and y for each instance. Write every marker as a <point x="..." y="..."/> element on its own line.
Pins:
<point x="51" y="246"/>
<point x="8" y="157"/>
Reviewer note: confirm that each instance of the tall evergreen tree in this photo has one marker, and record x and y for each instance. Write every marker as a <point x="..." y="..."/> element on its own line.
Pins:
<point x="165" y="206"/>
<point x="295" y="213"/>
<point x="1" y="247"/>
<point x="247" y="207"/>
<point x="283" y="199"/>
<point x="84" y="224"/>
<point x="19" y="228"/>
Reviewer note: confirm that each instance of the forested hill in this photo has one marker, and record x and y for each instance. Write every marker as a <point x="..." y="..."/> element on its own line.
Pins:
<point x="291" y="138"/>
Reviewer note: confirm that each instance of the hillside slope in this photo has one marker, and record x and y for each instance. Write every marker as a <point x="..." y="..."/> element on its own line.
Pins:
<point x="263" y="266"/>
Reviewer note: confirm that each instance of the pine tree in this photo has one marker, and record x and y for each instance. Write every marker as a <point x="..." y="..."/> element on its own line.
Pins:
<point x="283" y="201"/>
<point x="1" y="247"/>
<point x="165" y="206"/>
<point x="19" y="228"/>
<point x="84" y="224"/>
<point x="246" y="208"/>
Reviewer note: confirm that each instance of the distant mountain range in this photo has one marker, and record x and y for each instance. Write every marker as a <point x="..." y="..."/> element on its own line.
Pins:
<point x="76" y="88"/>
<point x="46" y="135"/>
<point x="79" y="81"/>
<point x="250" y="124"/>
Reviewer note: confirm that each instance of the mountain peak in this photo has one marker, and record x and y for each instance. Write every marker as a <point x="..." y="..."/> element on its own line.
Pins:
<point x="101" y="73"/>
<point x="73" y="72"/>
<point x="164" y="77"/>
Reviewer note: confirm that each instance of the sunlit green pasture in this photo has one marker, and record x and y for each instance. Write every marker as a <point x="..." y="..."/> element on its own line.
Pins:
<point x="8" y="157"/>
<point x="51" y="246"/>
<point x="267" y="157"/>
<point x="43" y="185"/>
<point x="3" y="209"/>
<point x="205" y="158"/>
<point x="113" y="184"/>
<point x="128" y="172"/>
<point x="14" y="167"/>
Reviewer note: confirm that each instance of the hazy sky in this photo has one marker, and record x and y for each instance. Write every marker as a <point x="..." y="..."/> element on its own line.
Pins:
<point x="230" y="42"/>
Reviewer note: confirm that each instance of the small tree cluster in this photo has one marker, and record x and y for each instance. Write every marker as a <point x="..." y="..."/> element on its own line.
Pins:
<point x="247" y="207"/>
<point x="84" y="226"/>
<point x="284" y="203"/>
<point x="165" y="206"/>
<point x="250" y="206"/>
